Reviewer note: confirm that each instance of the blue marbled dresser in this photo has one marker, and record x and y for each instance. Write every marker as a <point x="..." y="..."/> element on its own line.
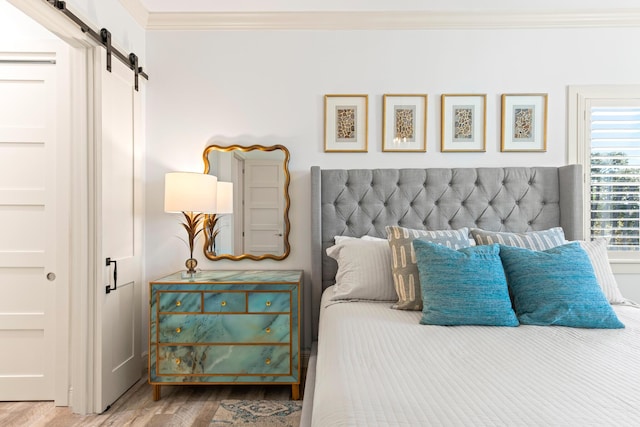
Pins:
<point x="226" y="327"/>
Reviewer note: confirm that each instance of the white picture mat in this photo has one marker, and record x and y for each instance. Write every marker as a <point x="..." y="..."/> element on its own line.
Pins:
<point x="419" y="142"/>
<point x="539" y="102"/>
<point x="361" y="104"/>
<point x="449" y="102"/>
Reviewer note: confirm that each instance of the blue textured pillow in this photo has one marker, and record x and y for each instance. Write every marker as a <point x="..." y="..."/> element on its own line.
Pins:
<point x="556" y="287"/>
<point x="463" y="287"/>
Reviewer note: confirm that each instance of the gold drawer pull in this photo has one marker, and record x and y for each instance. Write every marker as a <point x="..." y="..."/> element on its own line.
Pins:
<point x="178" y="303"/>
<point x="178" y="361"/>
<point x="178" y="330"/>
<point x="267" y="362"/>
<point x="223" y="303"/>
<point x="268" y="330"/>
<point x="268" y="303"/>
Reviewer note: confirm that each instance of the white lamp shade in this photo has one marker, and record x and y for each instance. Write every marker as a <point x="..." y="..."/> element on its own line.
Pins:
<point x="190" y="192"/>
<point x="225" y="198"/>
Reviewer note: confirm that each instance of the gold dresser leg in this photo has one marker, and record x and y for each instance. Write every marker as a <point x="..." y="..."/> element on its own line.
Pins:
<point x="295" y="391"/>
<point x="156" y="392"/>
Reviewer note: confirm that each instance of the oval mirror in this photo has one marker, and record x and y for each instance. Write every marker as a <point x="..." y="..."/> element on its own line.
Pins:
<point x="253" y="203"/>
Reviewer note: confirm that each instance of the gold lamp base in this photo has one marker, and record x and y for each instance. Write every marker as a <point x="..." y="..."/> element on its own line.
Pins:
<point x="191" y="264"/>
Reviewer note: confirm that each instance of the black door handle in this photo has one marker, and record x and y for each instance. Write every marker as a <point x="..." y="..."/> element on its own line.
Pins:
<point x="115" y="275"/>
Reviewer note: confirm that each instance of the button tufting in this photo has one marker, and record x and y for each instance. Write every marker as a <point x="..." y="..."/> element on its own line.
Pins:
<point x="529" y="222"/>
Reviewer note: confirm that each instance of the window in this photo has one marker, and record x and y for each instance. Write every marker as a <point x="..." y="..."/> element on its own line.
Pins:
<point x="615" y="175"/>
<point x="604" y="136"/>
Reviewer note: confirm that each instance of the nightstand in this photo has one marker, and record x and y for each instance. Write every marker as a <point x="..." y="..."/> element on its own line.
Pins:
<point x="225" y="327"/>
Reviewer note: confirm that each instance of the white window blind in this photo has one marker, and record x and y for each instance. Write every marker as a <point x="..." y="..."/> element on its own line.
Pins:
<point x="615" y="174"/>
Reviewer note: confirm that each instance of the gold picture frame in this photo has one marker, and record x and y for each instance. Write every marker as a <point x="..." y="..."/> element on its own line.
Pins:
<point x="404" y="122"/>
<point x="524" y="122"/>
<point x="464" y="123"/>
<point x="346" y="123"/>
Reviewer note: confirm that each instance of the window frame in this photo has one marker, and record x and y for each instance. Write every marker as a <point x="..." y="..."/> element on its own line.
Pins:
<point x="580" y="98"/>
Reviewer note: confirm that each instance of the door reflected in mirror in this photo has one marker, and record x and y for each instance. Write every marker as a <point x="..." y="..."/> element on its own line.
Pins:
<point x="254" y="223"/>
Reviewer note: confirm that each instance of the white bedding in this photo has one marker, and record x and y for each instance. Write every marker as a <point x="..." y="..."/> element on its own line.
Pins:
<point x="380" y="367"/>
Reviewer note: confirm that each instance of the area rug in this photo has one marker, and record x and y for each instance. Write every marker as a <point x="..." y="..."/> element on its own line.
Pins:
<point x="258" y="413"/>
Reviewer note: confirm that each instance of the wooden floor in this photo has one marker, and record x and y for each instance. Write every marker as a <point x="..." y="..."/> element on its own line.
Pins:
<point x="179" y="406"/>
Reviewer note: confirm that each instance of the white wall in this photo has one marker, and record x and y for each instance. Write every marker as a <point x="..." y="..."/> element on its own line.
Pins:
<point x="16" y="26"/>
<point x="267" y="87"/>
<point x="126" y="34"/>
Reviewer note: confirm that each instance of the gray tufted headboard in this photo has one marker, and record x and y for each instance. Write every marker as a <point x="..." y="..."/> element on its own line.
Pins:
<point x="360" y="202"/>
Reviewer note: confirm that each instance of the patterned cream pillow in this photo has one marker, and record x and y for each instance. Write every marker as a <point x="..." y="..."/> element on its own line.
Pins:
<point x="534" y="240"/>
<point x="403" y="259"/>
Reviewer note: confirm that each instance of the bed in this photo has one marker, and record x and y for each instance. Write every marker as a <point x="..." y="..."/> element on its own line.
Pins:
<point x="373" y="365"/>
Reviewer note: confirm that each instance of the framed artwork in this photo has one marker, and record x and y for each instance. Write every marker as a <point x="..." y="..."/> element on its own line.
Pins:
<point x="404" y="123"/>
<point x="464" y="123"/>
<point x="524" y="122"/>
<point x="345" y="123"/>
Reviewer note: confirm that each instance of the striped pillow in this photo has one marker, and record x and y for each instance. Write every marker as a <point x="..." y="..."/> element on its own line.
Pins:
<point x="597" y="251"/>
<point x="403" y="259"/>
<point x="534" y="240"/>
<point x="364" y="270"/>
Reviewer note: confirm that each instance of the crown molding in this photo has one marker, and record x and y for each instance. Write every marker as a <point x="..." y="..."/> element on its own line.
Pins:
<point x="137" y="10"/>
<point x="394" y="20"/>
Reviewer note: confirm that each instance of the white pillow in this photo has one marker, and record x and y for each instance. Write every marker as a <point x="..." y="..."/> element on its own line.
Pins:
<point x="597" y="251"/>
<point x="364" y="270"/>
<point x="340" y="239"/>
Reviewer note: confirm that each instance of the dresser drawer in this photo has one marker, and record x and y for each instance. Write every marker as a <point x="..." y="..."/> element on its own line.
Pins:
<point x="224" y="360"/>
<point x="269" y="302"/>
<point x="224" y="328"/>
<point x="180" y="302"/>
<point x="225" y="302"/>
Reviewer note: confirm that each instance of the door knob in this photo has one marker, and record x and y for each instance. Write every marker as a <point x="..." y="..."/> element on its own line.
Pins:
<point x="51" y="276"/>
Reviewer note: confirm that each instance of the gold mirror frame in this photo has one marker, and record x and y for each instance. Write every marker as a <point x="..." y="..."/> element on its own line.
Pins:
<point x="287" y="179"/>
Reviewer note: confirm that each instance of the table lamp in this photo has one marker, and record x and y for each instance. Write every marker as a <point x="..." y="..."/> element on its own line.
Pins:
<point x="192" y="194"/>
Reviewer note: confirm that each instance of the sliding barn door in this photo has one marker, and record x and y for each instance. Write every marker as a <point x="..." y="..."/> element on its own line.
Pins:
<point x="119" y="180"/>
<point x="33" y="231"/>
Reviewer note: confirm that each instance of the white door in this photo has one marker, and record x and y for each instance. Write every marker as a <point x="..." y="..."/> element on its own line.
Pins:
<point x="33" y="227"/>
<point x="264" y="207"/>
<point x="118" y="119"/>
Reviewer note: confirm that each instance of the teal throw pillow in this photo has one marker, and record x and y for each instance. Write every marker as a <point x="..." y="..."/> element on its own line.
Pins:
<point x="556" y="287"/>
<point x="463" y="287"/>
